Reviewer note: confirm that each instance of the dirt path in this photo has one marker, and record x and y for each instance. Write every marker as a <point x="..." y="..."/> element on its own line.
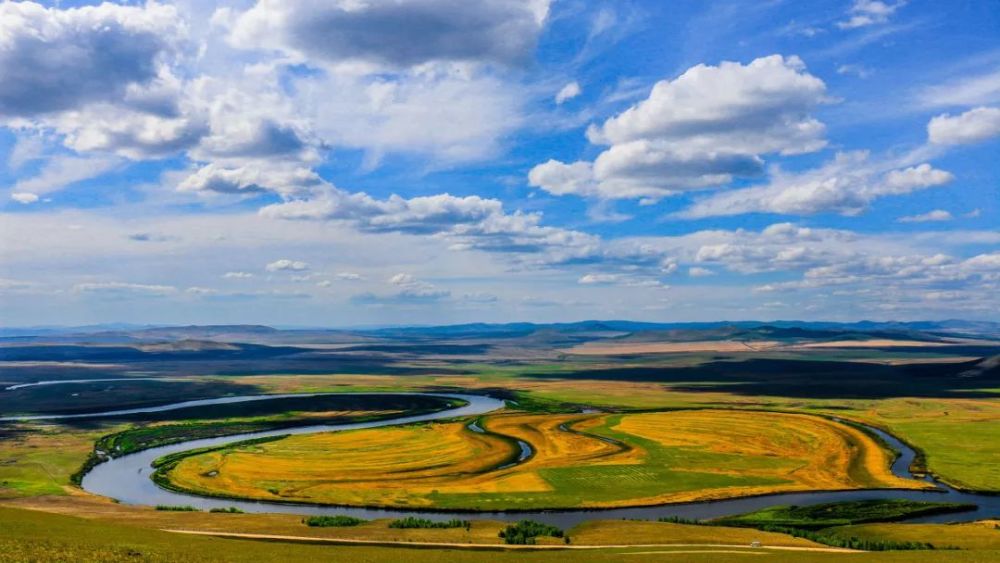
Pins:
<point x="485" y="546"/>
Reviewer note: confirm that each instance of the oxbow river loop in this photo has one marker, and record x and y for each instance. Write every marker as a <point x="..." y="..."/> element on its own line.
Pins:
<point x="126" y="479"/>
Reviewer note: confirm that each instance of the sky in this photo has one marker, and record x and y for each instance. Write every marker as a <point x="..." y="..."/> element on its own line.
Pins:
<point x="373" y="162"/>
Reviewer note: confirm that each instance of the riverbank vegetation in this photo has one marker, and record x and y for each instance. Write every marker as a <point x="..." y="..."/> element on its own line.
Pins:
<point x="826" y="515"/>
<point x="338" y="521"/>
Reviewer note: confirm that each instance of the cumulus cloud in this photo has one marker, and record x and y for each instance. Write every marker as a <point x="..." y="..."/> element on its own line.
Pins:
<point x="706" y="127"/>
<point x="846" y="185"/>
<point x="699" y="272"/>
<point x="568" y="92"/>
<point x="286" y="265"/>
<point x="128" y="132"/>
<point x="418" y="215"/>
<point x="470" y="222"/>
<point x="935" y="215"/>
<point x="54" y="60"/>
<point x="237" y="275"/>
<point x="395" y="34"/>
<point x="973" y="126"/>
<point x="869" y="12"/>
<point x="252" y="177"/>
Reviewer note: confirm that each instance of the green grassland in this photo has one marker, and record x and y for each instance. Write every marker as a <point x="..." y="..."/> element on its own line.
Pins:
<point x="819" y="516"/>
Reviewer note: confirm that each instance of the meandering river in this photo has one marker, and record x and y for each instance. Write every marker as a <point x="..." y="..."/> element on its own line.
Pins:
<point x="127" y="478"/>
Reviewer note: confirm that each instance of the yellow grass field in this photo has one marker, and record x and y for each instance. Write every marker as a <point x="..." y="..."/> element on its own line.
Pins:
<point x="579" y="460"/>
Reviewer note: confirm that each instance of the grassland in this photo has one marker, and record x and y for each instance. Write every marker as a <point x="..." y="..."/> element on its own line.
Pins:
<point x="930" y="411"/>
<point x="984" y="535"/>
<point x="45" y="458"/>
<point x="579" y="461"/>
<point x="27" y="536"/>
<point x="820" y="516"/>
<point x="911" y="389"/>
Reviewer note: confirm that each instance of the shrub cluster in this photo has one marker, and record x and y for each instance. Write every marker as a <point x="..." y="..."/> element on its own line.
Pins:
<point x="411" y="522"/>
<point x="525" y="532"/>
<point x="848" y="542"/>
<point x="332" y="521"/>
<point x="230" y="510"/>
<point x="172" y="508"/>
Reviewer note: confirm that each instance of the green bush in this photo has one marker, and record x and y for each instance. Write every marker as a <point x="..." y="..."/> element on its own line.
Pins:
<point x="230" y="510"/>
<point x="171" y="508"/>
<point x="525" y="532"/>
<point x="411" y="522"/>
<point x="849" y="542"/>
<point x="338" y="521"/>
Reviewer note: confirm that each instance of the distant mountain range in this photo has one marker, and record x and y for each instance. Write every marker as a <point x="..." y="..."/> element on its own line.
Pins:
<point x="120" y="332"/>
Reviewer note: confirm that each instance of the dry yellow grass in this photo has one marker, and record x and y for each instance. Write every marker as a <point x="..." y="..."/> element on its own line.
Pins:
<point x="579" y="460"/>
<point x="816" y="453"/>
<point x="384" y="466"/>
<point x="597" y="532"/>
<point x="982" y="535"/>
<point x="615" y="532"/>
<point x="874" y="343"/>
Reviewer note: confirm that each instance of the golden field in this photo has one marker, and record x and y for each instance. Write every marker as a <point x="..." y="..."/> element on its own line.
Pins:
<point x="580" y="460"/>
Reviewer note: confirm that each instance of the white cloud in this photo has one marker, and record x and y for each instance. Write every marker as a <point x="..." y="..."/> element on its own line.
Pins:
<point x="405" y="112"/>
<point x="559" y="178"/>
<point x="402" y="279"/>
<point x="973" y="126"/>
<point x="846" y="185"/>
<point x="286" y="265"/>
<point x="237" y="275"/>
<point x="252" y="177"/>
<point x="568" y="92"/>
<point x="395" y="34"/>
<point x="699" y="272"/>
<point x="935" y="215"/>
<point x="623" y="280"/>
<point x="24" y="197"/>
<point x="705" y="128"/>
<point x="869" y="12"/>
<point x="470" y="222"/>
<point x="598" y="279"/>
<point x="348" y="276"/>
<point x="973" y="90"/>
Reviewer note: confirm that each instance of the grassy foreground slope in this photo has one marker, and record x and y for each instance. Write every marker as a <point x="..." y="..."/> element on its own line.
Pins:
<point x="29" y="536"/>
<point x="578" y="461"/>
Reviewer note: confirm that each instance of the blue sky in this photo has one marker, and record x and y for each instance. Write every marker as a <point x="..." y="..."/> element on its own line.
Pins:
<point x="439" y="161"/>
